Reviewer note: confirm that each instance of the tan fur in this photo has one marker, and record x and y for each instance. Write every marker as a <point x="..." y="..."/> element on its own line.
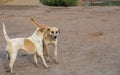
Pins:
<point x="38" y="32"/>
<point x="29" y="45"/>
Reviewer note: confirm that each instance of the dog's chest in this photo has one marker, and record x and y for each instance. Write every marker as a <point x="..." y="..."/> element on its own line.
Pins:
<point x="39" y="44"/>
<point x="49" y="42"/>
<point x="37" y="41"/>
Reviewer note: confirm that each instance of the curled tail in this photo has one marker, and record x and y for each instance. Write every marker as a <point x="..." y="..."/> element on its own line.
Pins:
<point x="5" y="34"/>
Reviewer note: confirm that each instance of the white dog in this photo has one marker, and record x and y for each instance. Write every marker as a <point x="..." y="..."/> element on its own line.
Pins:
<point x="32" y="45"/>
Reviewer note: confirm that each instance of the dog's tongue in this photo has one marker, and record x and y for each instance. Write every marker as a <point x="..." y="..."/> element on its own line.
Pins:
<point x="54" y="39"/>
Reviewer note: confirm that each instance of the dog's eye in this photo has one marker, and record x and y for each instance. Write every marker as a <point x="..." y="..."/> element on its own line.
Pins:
<point x="56" y="32"/>
<point x="52" y="32"/>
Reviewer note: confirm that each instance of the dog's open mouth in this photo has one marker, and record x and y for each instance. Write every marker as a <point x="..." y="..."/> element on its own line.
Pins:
<point x="54" y="39"/>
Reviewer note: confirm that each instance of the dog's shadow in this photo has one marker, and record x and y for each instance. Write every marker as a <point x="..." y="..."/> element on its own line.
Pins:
<point x="2" y="62"/>
<point x="30" y="58"/>
<point x="2" y="57"/>
<point x="24" y="57"/>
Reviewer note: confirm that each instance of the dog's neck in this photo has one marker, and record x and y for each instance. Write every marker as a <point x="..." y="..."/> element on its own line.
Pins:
<point x="38" y="35"/>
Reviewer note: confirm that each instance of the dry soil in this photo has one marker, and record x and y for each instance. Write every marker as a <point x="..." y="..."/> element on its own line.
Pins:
<point x="89" y="42"/>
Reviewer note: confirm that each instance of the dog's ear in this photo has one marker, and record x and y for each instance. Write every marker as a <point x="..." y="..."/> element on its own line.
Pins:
<point x="59" y="30"/>
<point x="41" y="29"/>
<point x="48" y="29"/>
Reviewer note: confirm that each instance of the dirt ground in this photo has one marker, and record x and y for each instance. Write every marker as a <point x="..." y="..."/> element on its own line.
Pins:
<point x="89" y="42"/>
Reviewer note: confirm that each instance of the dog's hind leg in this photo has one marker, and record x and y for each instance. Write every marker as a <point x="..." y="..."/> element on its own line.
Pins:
<point x="7" y="58"/>
<point x="12" y="60"/>
<point x="7" y="62"/>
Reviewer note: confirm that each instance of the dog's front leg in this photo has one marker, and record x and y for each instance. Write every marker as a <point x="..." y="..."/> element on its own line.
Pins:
<point x="47" y="53"/>
<point x="35" y="59"/>
<point x="42" y="57"/>
<point x="55" y="53"/>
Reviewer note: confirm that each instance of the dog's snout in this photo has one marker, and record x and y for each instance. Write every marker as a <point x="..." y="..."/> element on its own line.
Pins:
<point x="55" y="37"/>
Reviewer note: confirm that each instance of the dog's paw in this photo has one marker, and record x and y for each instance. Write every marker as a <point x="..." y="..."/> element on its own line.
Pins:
<point x="56" y="62"/>
<point x="7" y="69"/>
<point x="47" y="67"/>
<point x="48" y="59"/>
<point x="13" y="74"/>
<point x="37" y="65"/>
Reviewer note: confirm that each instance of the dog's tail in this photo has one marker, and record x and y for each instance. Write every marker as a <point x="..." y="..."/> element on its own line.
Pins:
<point x="38" y="25"/>
<point x="5" y="33"/>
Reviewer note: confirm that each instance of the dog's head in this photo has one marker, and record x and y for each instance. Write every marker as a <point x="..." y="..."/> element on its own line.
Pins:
<point x="53" y="33"/>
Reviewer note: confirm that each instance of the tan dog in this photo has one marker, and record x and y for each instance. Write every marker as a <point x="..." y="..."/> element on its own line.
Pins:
<point x="50" y="39"/>
<point x="32" y="45"/>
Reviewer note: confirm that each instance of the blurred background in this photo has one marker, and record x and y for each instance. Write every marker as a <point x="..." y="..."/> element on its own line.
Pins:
<point x="62" y="2"/>
<point x="19" y="2"/>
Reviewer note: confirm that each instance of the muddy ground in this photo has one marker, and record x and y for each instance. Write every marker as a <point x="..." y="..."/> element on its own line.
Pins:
<point x="89" y="42"/>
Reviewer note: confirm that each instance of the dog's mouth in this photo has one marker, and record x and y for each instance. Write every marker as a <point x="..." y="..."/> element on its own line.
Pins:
<point x="54" y="39"/>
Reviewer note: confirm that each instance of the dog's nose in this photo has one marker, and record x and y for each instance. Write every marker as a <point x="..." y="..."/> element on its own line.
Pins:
<point x="55" y="37"/>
